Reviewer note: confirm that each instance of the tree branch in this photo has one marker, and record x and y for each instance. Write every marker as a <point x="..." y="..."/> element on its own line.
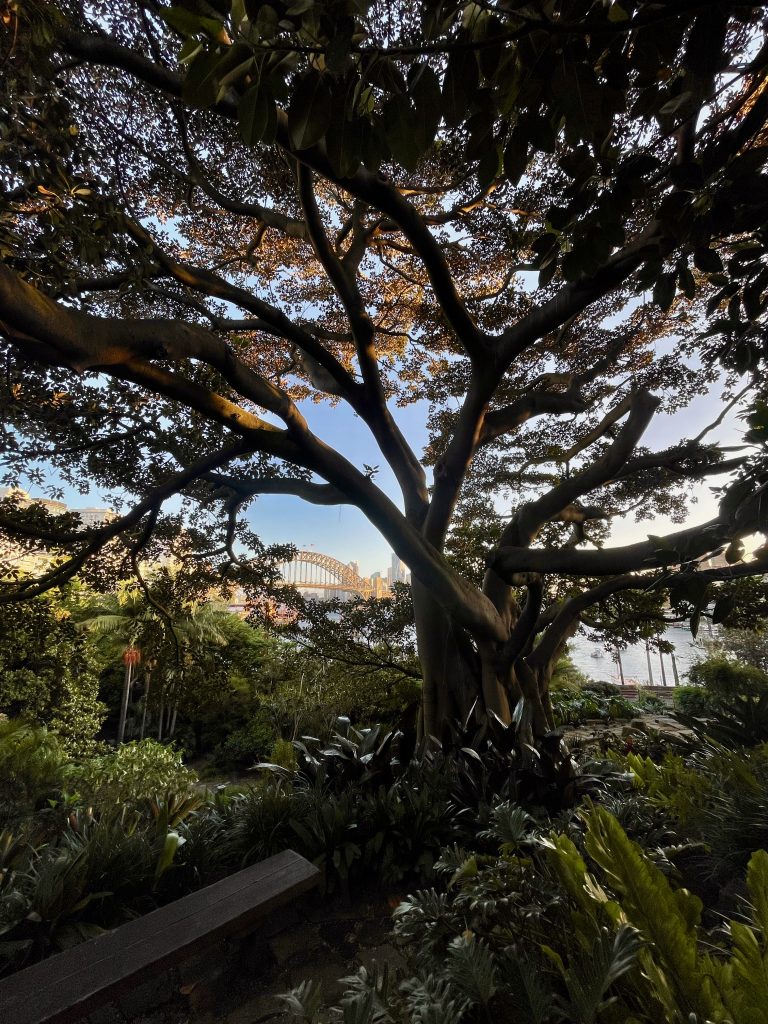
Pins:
<point x="655" y="553"/>
<point x="317" y="494"/>
<point x="531" y="516"/>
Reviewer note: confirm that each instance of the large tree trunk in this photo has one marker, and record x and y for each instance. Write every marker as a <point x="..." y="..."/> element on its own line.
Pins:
<point x="458" y="674"/>
<point x="449" y="666"/>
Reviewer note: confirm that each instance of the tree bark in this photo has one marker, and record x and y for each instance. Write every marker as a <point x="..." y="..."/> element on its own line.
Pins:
<point x="450" y="679"/>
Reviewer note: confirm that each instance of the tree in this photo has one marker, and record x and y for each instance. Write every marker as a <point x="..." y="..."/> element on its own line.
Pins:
<point x="214" y="211"/>
<point x="170" y="631"/>
<point x="48" y="673"/>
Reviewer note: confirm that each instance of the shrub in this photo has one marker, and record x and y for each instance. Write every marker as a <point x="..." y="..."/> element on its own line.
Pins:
<point x="573" y="708"/>
<point x="135" y="772"/>
<point x="724" y="678"/>
<point x="546" y="931"/>
<point x="692" y="700"/>
<point x="48" y="671"/>
<point x="284" y="755"/>
<point x="247" y="745"/>
<point x="32" y="766"/>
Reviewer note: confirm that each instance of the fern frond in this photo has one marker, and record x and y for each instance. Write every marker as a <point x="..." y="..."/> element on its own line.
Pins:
<point x="432" y="1000"/>
<point x="533" y="999"/>
<point x="304" y="1001"/>
<point x="371" y="990"/>
<point x="508" y="826"/>
<point x="590" y="977"/>
<point x="665" y="918"/>
<point x="472" y="968"/>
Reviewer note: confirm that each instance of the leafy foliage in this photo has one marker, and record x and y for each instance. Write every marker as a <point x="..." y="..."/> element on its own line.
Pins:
<point x="31" y="768"/>
<point x="48" y="672"/>
<point x="500" y="211"/>
<point x="135" y="772"/>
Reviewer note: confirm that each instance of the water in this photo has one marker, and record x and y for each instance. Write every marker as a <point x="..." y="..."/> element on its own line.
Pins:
<point x="590" y="657"/>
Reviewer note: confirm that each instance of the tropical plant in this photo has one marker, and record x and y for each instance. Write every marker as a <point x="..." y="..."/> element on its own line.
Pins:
<point x="169" y="630"/>
<point x="137" y="771"/>
<point x="32" y="768"/>
<point x="729" y="701"/>
<point x="551" y="935"/>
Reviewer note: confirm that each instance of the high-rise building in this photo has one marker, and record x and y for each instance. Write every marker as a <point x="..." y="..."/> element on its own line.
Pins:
<point x="23" y="558"/>
<point x="55" y="508"/>
<point x="399" y="570"/>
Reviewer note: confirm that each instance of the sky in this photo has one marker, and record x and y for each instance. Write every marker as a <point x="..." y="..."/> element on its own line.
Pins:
<point x="344" y="533"/>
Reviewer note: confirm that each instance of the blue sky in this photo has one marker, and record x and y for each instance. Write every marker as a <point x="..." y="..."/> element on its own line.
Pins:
<point x="344" y="532"/>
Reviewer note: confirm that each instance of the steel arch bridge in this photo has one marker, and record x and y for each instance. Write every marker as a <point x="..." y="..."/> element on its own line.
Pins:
<point x="313" y="570"/>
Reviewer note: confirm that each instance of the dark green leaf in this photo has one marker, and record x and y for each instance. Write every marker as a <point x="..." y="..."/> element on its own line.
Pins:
<point x="310" y="111"/>
<point x="424" y="87"/>
<point x="201" y="83"/>
<point x="400" y="128"/>
<point x="516" y="156"/>
<point x="489" y="167"/>
<point x="459" y="85"/>
<point x="707" y="259"/>
<point x="190" y="24"/>
<point x="724" y="606"/>
<point x="257" y="116"/>
<point x="343" y="141"/>
<point x="664" y="290"/>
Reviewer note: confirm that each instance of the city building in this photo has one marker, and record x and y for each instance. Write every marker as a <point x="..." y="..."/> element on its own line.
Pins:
<point x="20" y="558"/>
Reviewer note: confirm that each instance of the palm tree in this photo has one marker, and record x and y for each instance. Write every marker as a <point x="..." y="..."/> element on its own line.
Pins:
<point x="166" y="637"/>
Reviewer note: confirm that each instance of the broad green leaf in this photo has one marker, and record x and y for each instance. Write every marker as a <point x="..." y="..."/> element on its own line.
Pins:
<point x="190" y="24"/>
<point x="310" y="111"/>
<point x="490" y="166"/>
<point x="664" y="290"/>
<point x="516" y="156"/>
<point x="344" y="141"/>
<point x="400" y="128"/>
<point x="424" y="87"/>
<point x="257" y="115"/>
<point x="201" y="83"/>
<point x="459" y="85"/>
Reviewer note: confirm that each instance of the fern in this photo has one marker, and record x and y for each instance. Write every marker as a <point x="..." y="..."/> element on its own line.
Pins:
<point x="509" y="827"/>
<point x="304" y="1001"/>
<point x="682" y="979"/>
<point x="370" y="990"/>
<point x="747" y="999"/>
<point x="534" y="1001"/>
<point x="472" y="968"/>
<point x="431" y="1000"/>
<point x="451" y="859"/>
<point x="590" y="977"/>
<point x="425" y="918"/>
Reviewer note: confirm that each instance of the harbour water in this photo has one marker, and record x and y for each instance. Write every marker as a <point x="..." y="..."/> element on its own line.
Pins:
<point x="590" y="657"/>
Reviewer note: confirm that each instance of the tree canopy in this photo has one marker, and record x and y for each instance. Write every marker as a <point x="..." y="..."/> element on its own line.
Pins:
<point x="545" y="218"/>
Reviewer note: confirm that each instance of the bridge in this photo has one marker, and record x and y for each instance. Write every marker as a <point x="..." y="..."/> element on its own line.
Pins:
<point x="311" y="570"/>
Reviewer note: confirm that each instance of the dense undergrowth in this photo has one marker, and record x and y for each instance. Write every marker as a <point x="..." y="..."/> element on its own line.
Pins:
<point x="628" y="888"/>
